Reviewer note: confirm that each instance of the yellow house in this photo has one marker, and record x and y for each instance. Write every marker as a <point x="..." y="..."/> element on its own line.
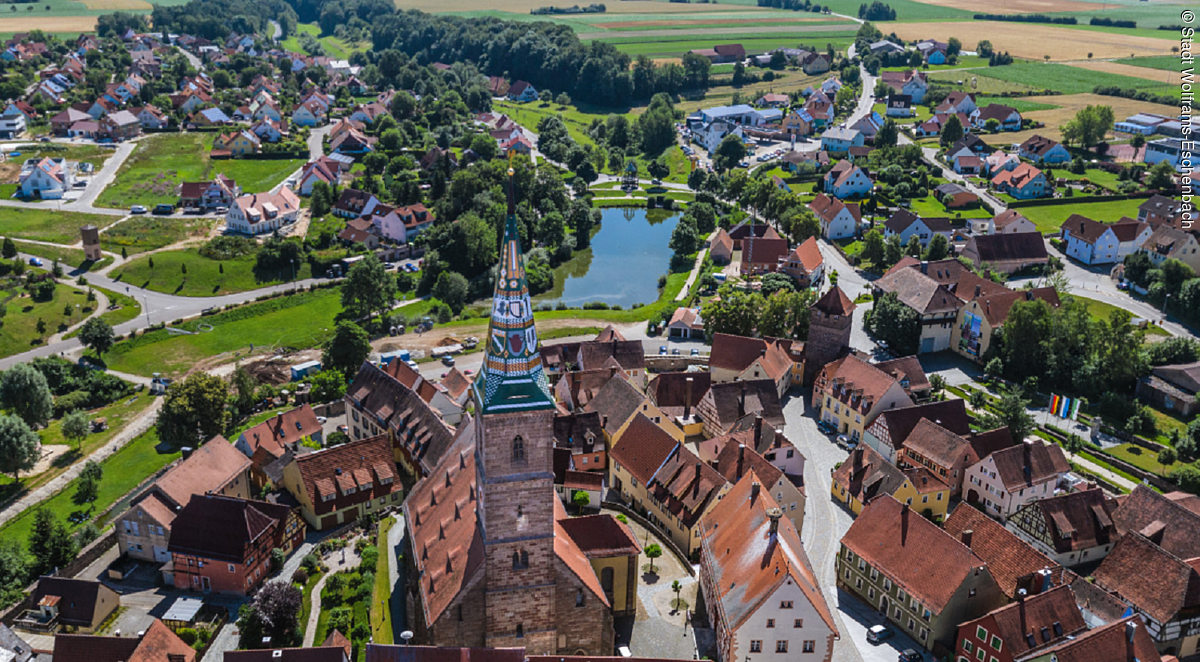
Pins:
<point x="618" y="402"/>
<point x="849" y="393"/>
<point x="866" y="475"/>
<point x="663" y="481"/>
<point x="612" y="550"/>
<point x="238" y="144"/>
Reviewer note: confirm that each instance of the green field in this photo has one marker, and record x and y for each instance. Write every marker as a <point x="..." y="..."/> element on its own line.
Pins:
<point x="964" y="62"/>
<point x="153" y="172"/>
<point x="68" y="257"/>
<point x="1103" y="311"/>
<point x="906" y="10"/>
<point x="1017" y="104"/>
<point x="146" y="233"/>
<point x="124" y="471"/>
<point x="204" y="277"/>
<point x="1048" y="218"/>
<point x="1069" y="80"/>
<point x="19" y="330"/>
<point x="984" y="85"/>
<point x="1163" y="62"/>
<point x="334" y="47"/>
<point x="754" y="43"/>
<point x="48" y="224"/>
<point x="1149" y="15"/>
<point x="933" y="208"/>
<point x="1143" y="458"/>
<point x="129" y="308"/>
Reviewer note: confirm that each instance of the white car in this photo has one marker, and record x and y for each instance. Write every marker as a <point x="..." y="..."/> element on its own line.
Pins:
<point x="137" y="209"/>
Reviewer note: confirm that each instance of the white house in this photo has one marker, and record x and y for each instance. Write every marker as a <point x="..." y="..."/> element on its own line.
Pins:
<point x="911" y="83"/>
<point x="12" y="126"/>
<point x="899" y="105"/>
<point x="47" y="179"/>
<point x="711" y="135"/>
<point x="309" y="113"/>
<point x="957" y="102"/>
<point x="909" y="225"/>
<point x="1093" y="242"/>
<point x="1006" y="480"/>
<point x="838" y="220"/>
<point x="1070" y="528"/>
<point x="522" y="91"/>
<point x="1009" y="222"/>
<point x="841" y="140"/>
<point x="1009" y="118"/>
<point x="847" y="180"/>
<point x="261" y="213"/>
<point x="1167" y="243"/>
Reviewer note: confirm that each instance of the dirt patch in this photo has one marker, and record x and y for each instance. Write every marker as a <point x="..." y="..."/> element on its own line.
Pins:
<point x="703" y="23"/>
<point x="273" y="372"/>
<point x="113" y="5"/>
<point x="1013" y="6"/>
<point x="1157" y="75"/>
<point x="1071" y="104"/>
<point x="49" y="455"/>
<point x="50" y="23"/>
<point x="439" y="337"/>
<point x="1032" y="41"/>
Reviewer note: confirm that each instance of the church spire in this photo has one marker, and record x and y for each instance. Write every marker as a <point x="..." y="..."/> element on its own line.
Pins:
<point x="511" y="378"/>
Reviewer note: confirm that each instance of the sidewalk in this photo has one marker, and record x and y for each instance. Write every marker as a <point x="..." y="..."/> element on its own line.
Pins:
<point x="691" y="279"/>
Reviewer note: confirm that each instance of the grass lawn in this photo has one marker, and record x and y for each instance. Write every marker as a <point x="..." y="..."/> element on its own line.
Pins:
<point x="1094" y="175"/>
<point x="68" y="257"/>
<point x="204" y="277"/>
<point x="334" y="47"/>
<point x="153" y="172"/>
<point x="48" y="224"/>
<point x="1017" y="104"/>
<point x="124" y="471"/>
<point x="1142" y="458"/>
<point x="20" y="323"/>
<point x="933" y="208"/>
<point x="1049" y="218"/>
<point x="1069" y="80"/>
<point x="118" y="414"/>
<point x="307" y="591"/>
<point x="984" y="86"/>
<point x="381" y="615"/>
<point x="129" y="308"/>
<point x="147" y="233"/>
<point x="1163" y="62"/>
<point x="347" y="598"/>
<point x="964" y="62"/>
<point x="1103" y="311"/>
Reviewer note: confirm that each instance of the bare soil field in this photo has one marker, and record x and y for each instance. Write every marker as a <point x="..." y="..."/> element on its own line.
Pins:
<point x="1014" y="6"/>
<point x="716" y="31"/>
<point x="1167" y="76"/>
<point x="523" y="6"/>
<point x="699" y="23"/>
<point x="1070" y="104"/>
<point x="1032" y="41"/>
<point x="115" y="5"/>
<point x="49" y="23"/>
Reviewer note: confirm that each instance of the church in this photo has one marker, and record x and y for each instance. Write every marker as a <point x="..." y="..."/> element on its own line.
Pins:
<point x="493" y="559"/>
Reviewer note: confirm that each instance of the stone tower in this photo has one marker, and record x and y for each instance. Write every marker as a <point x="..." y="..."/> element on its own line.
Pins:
<point x="91" y="243"/>
<point x="829" y="322"/>
<point x="514" y="461"/>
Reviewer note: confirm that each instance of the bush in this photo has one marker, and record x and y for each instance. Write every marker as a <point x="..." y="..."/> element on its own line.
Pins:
<point x="370" y="557"/>
<point x="188" y="635"/>
<point x="300" y="576"/>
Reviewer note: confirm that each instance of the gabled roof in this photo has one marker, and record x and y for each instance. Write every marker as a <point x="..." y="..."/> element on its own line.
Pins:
<point x="158" y="644"/>
<point x="1028" y="464"/>
<point x="1005" y="247"/>
<point x="209" y="468"/>
<point x="315" y="654"/>
<point x="353" y="468"/>
<point x="616" y="401"/>
<point x="401" y="653"/>
<point x="1153" y="579"/>
<point x="221" y="528"/>
<point x="747" y="561"/>
<point x="1078" y="520"/>
<point x="919" y="292"/>
<point x="738" y="459"/>
<point x="1169" y="524"/>
<point x="734" y="400"/>
<point x="1183" y="376"/>
<point x="1038" y="145"/>
<point x="1007" y="217"/>
<point x="669" y="389"/>
<point x="283" y="430"/>
<point x="1038" y="621"/>
<point x="393" y="405"/>
<point x="808" y="254"/>
<point x="915" y="553"/>
<point x="858" y="377"/>
<point x="907" y="370"/>
<point x="867" y="474"/>
<point x="995" y="111"/>
<point x="949" y="414"/>
<point x="1126" y="640"/>
<point x="76" y="599"/>
<point x="737" y="353"/>
<point x="455" y="383"/>
<point x="1161" y="205"/>
<point x="827" y="208"/>
<point x="1088" y="231"/>
<point x="996" y="307"/>
<point x="936" y="443"/>
<point x="600" y="536"/>
<point x="1013" y="563"/>
<point x="644" y="448"/>
<point x="835" y="302"/>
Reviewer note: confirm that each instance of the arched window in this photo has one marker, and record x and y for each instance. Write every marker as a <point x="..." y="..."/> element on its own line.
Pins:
<point x="516" y="561"/>
<point x="524" y="559"/>
<point x="579" y="598"/>
<point x="520" y="631"/>
<point x="606" y="579"/>
<point x="518" y="450"/>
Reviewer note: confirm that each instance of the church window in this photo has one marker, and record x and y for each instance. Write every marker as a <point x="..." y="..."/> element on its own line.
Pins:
<point x="520" y="631"/>
<point x="521" y="560"/>
<point x="518" y="450"/>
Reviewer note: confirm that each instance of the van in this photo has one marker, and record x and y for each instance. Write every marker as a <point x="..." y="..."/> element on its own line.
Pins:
<point x="164" y="209"/>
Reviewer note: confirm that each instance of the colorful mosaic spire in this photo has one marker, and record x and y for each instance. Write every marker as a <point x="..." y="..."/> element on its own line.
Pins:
<point x="511" y="378"/>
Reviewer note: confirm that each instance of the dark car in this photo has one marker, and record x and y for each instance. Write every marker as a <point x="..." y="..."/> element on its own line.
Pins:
<point x="164" y="209"/>
<point x="910" y="655"/>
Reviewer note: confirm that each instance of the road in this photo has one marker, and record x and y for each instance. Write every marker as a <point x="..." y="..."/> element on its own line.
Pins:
<point x="100" y="180"/>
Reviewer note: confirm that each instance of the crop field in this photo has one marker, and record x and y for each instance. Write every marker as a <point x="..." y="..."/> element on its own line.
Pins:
<point x="906" y="10"/>
<point x="1068" y="79"/>
<point x="525" y="6"/>
<point x="1165" y="62"/>
<point x="155" y="169"/>
<point x="666" y="47"/>
<point x="983" y="85"/>
<point x="1033" y="41"/>
<point x="1167" y="77"/>
<point x="1066" y="108"/>
<point x="1020" y="105"/>
<point x="1013" y="6"/>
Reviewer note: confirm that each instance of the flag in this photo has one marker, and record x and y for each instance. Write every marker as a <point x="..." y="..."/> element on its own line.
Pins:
<point x="1075" y="410"/>
<point x="1054" y="404"/>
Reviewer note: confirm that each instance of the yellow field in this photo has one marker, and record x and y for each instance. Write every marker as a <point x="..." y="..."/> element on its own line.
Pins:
<point x="1169" y="77"/>
<point x="523" y="6"/>
<point x="1071" y="104"/>
<point x="1013" y="6"/>
<point x="1032" y="41"/>
<point x="116" y="5"/>
<point x="48" y="23"/>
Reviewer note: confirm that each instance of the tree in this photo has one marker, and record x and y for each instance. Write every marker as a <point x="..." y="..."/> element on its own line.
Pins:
<point x="873" y="248"/>
<point x="994" y="368"/>
<point x="658" y="168"/>
<point x="896" y="323"/>
<point x="952" y="131"/>
<point x="87" y="487"/>
<point x="50" y="543"/>
<point x="1137" y="141"/>
<point x="1088" y="126"/>
<point x="14" y="571"/>
<point x="368" y="289"/>
<point x="274" y="613"/>
<point x="193" y="410"/>
<point x="244" y="386"/>
<point x="581" y="499"/>
<point x="1161" y="176"/>
<point x="729" y="153"/>
<point x="1167" y="456"/>
<point x="785" y="314"/>
<point x="20" y="448"/>
<point x="328" y="385"/>
<point x="98" y="335"/>
<point x="775" y="282"/>
<point x="977" y="399"/>
<point x="736" y="313"/>
<point x="939" y="248"/>
<point x="685" y="239"/>
<point x="937" y="383"/>
<point x="1187" y="477"/>
<point x="984" y="48"/>
<point x="1013" y="414"/>
<point x="24" y="392"/>
<point x="10" y="249"/>
<point x="652" y="551"/>
<point x="893" y="251"/>
<point x="451" y="289"/>
<point x="75" y="426"/>
<point x="913" y="248"/>
<point x="888" y="134"/>
<point x="347" y="349"/>
<point x="953" y="46"/>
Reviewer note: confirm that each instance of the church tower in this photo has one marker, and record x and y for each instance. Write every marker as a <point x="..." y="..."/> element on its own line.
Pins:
<point x="829" y="323"/>
<point x="514" y="448"/>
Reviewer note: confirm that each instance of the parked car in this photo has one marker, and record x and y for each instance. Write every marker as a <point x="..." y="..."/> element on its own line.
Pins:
<point x="826" y="427"/>
<point x="165" y="209"/>
<point x="35" y="261"/>
<point x="843" y="440"/>
<point x="448" y="360"/>
<point x="910" y="655"/>
<point x="878" y="633"/>
<point x="662" y="349"/>
<point x="695" y="352"/>
<point x="675" y="351"/>
<point x="137" y="209"/>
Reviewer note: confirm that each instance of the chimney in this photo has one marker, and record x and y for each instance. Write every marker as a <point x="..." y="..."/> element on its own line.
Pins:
<point x="742" y="401"/>
<point x="754" y="488"/>
<point x="1021" y="609"/>
<point x="604" y="421"/>
<point x="1045" y="574"/>
<point x="757" y="430"/>
<point x="687" y="398"/>
<point x="966" y="537"/>
<point x="925" y="267"/>
<point x="903" y="523"/>
<point x="774" y="514"/>
<point x="978" y="288"/>
<point x="858" y="461"/>
<point x="696" y="483"/>
<point x="1130" y="631"/>
<point x="740" y="461"/>
<point x="186" y="452"/>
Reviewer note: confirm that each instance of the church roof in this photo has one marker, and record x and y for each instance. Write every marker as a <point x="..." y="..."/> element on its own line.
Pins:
<point x="511" y="378"/>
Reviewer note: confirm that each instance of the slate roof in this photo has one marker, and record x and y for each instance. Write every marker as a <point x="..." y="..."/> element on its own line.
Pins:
<point x="616" y="401"/>
<point x="1078" y="520"/>
<point x="1173" y="527"/>
<point x="18" y="648"/>
<point x="747" y="562"/>
<point x="915" y="553"/>
<point x="1183" y="376"/>
<point x="1151" y="578"/>
<point x="733" y="400"/>
<point x="220" y="527"/>
<point x="1027" y="464"/>
<point x="919" y="292"/>
<point x="1006" y="247"/>
<point x="1014" y="564"/>
<point x="949" y="414"/>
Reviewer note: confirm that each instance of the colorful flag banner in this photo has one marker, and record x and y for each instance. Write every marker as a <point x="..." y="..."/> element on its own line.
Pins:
<point x="1064" y="407"/>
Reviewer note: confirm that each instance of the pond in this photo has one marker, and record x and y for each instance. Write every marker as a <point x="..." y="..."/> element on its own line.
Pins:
<point x="623" y="263"/>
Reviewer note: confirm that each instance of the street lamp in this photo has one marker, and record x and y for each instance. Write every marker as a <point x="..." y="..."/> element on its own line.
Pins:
<point x="146" y="302"/>
<point x="1165" y="302"/>
<point x="406" y="636"/>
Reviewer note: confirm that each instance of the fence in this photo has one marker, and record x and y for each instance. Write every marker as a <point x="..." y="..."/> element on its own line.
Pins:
<point x="659" y="533"/>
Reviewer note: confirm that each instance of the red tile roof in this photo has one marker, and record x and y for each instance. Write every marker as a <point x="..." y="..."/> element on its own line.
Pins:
<point x="1040" y="620"/>
<point x="866" y="475"/>
<point x="1028" y="464"/>
<point x="835" y="302"/>
<point x="1151" y="578"/>
<point x="747" y="561"/>
<point x="283" y="430"/>
<point x="808" y="254"/>
<point x="1126" y="640"/>
<point x="209" y="468"/>
<point x="1013" y="563"/>
<point x="1078" y="520"/>
<point x="918" y="556"/>
<point x="601" y="536"/>
<point x="221" y="528"/>
<point x="853" y="380"/>
<point x="335" y="478"/>
<point x="568" y="551"/>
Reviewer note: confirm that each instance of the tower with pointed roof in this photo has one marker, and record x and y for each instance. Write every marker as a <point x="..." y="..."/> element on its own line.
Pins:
<point x="514" y="461"/>
<point x="829" y="324"/>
